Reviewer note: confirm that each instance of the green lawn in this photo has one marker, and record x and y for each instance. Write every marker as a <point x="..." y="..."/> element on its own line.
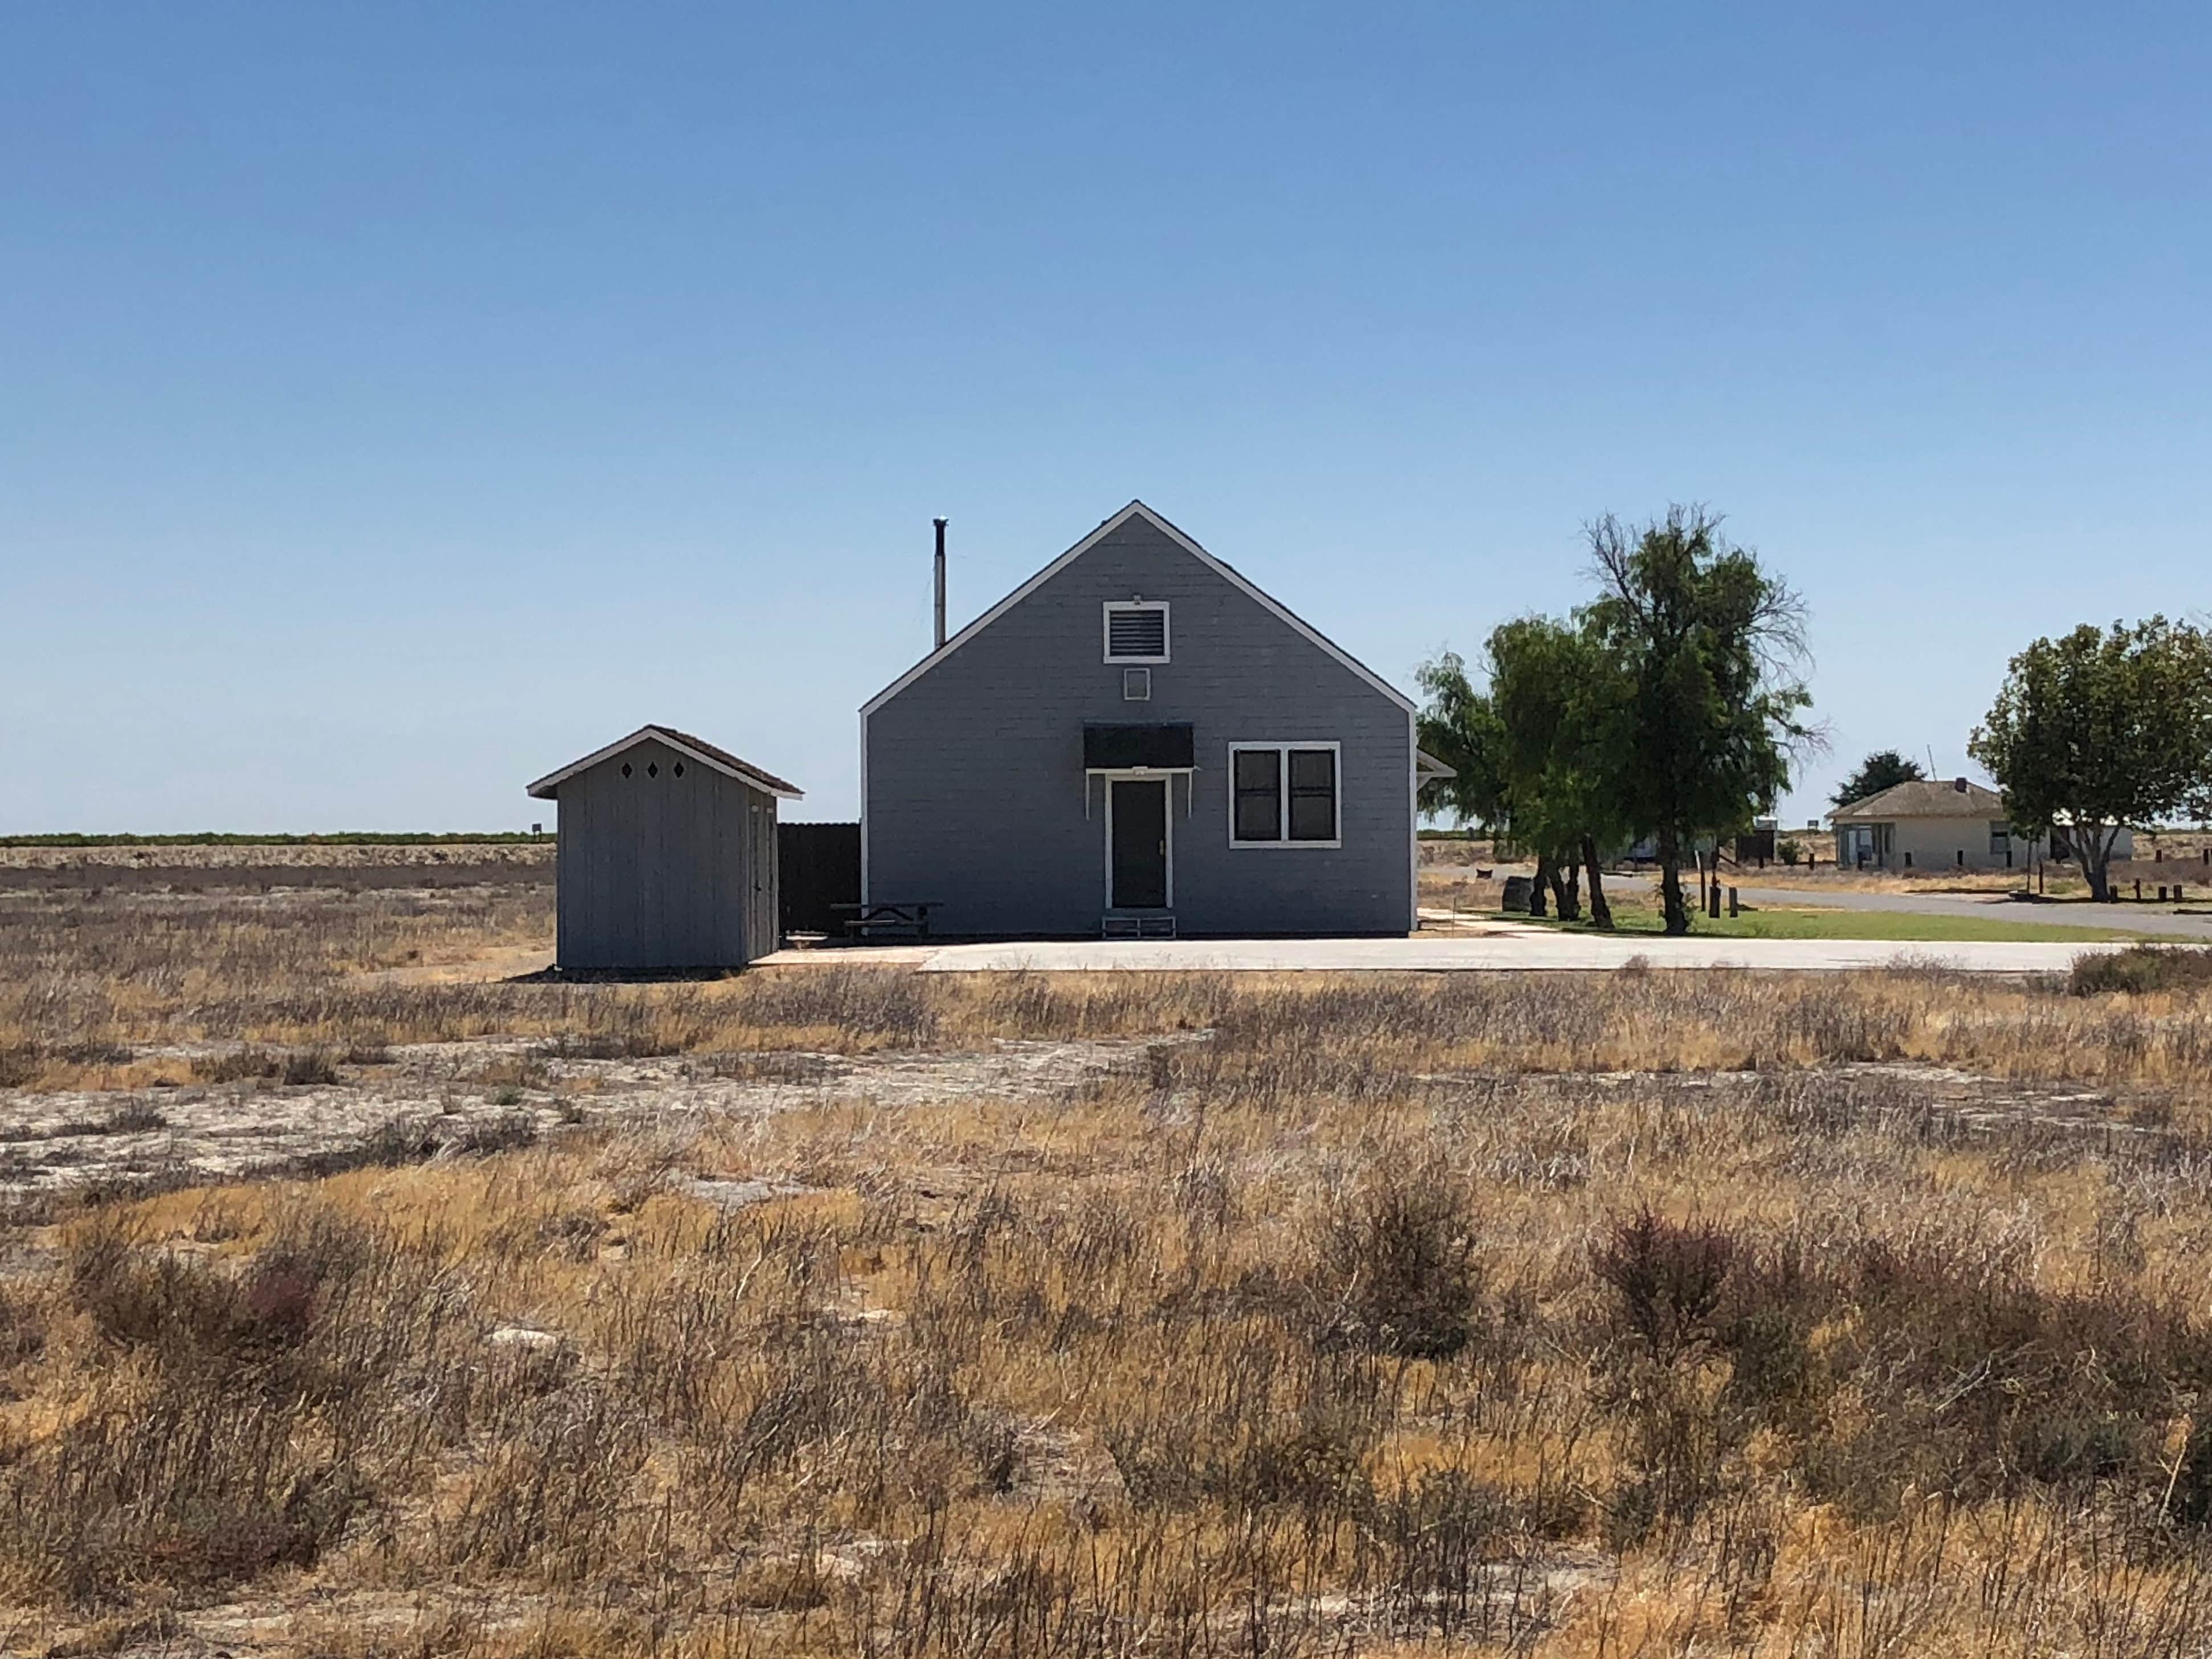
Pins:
<point x="1901" y="926"/>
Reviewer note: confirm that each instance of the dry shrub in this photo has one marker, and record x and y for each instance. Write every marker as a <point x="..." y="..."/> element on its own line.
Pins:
<point x="2141" y="970"/>
<point x="1397" y="1269"/>
<point x="294" y="1067"/>
<point x="1892" y="1367"/>
<point x="1667" y="1279"/>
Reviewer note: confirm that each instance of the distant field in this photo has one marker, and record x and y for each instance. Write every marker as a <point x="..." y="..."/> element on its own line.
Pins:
<point x="336" y="838"/>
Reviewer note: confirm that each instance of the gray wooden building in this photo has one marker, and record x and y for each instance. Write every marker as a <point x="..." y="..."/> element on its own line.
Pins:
<point x="667" y="854"/>
<point x="1138" y="739"/>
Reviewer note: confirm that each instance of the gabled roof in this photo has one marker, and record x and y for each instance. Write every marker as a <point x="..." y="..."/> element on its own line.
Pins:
<point x="1427" y="766"/>
<point x="1924" y="797"/>
<point x="697" y="749"/>
<point x="1134" y="510"/>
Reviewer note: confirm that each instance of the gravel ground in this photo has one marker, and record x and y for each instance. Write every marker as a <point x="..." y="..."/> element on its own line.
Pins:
<point x="434" y="1096"/>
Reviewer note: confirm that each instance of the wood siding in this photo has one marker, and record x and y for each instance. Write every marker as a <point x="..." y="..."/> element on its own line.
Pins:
<point x="662" y="869"/>
<point x="975" y="786"/>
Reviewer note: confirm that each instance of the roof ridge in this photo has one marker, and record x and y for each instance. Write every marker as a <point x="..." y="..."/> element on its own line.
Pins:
<point x="710" y="754"/>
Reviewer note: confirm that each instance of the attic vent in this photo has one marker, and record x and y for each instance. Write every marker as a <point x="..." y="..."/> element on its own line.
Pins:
<point x="1137" y="631"/>
<point x="653" y="769"/>
<point x="1136" y="685"/>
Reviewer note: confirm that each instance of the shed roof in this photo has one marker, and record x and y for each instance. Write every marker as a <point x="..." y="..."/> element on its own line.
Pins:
<point x="1925" y="797"/>
<point x="697" y="749"/>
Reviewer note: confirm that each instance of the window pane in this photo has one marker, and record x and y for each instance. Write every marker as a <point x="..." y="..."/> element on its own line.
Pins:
<point x="1313" y="795"/>
<point x="1259" y="778"/>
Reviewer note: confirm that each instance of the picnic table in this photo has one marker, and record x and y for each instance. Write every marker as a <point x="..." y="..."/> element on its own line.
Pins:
<point x="892" y="919"/>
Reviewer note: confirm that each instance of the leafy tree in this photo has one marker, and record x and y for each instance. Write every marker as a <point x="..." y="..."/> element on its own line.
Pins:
<point x="1556" y="699"/>
<point x="1883" y="769"/>
<point x="2099" y="730"/>
<point x="1529" y="752"/>
<point x="1460" y="727"/>
<point x="1707" y="645"/>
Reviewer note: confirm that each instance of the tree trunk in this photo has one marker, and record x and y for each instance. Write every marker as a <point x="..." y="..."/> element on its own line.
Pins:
<point x="1670" y="884"/>
<point x="1567" y="888"/>
<point x="1601" y="912"/>
<point x="1536" y="888"/>
<point x="2095" y="851"/>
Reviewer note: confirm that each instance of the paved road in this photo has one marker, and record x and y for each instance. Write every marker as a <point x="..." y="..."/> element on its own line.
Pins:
<point x="1495" y="952"/>
<point x="1995" y="908"/>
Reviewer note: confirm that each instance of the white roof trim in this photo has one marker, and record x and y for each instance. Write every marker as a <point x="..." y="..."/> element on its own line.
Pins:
<point x="545" y="787"/>
<point x="1426" y="766"/>
<point x="1135" y="509"/>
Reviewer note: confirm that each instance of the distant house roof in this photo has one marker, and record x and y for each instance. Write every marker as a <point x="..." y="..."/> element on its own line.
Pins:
<point x="1925" y="797"/>
<point x="697" y="749"/>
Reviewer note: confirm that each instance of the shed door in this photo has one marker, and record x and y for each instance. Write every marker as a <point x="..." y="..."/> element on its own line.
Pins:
<point x="761" y="903"/>
<point x="1137" y="815"/>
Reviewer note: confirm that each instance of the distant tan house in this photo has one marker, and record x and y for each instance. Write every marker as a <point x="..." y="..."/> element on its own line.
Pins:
<point x="1938" y="824"/>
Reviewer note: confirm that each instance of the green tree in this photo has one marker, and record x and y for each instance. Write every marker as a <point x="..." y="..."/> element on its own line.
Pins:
<point x="1883" y="769"/>
<point x="1707" y="646"/>
<point x="1459" y="726"/>
<point x="2099" y="730"/>
<point x="1529" y="751"/>
<point x="1556" y="699"/>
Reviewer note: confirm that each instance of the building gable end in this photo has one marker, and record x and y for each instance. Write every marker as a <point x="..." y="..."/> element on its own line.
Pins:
<point x="1227" y="573"/>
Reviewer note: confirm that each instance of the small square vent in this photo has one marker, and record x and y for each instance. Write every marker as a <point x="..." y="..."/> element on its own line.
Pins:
<point x="1136" y="685"/>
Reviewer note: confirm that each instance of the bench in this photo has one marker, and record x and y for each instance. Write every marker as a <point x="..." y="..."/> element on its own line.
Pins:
<point x="900" y="918"/>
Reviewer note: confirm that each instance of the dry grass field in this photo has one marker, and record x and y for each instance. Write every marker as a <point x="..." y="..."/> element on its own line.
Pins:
<point x="860" y="1311"/>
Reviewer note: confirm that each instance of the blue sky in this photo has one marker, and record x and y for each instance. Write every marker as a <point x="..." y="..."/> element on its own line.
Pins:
<point x="400" y="401"/>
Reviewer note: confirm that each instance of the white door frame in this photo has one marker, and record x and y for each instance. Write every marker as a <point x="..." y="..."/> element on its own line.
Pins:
<point x="1141" y="775"/>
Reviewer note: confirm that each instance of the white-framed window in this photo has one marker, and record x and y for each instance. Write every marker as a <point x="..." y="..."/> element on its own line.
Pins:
<point x="1136" y="630"/>
<point x="1285" y="794"/>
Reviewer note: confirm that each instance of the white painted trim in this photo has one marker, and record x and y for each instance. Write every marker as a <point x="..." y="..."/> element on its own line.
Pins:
<point x="1283" y="800"/>
<point x="864" y="806"/>
<point x="1106" y="629"/>
<point x="1165" y="779"/>
<point x="1413" y="817"/>
<point x="545" y="787"/>
<point x="1135" y="509"/>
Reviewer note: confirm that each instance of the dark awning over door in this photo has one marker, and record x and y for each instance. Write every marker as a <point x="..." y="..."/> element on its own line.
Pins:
<point x="1123" y="747"/>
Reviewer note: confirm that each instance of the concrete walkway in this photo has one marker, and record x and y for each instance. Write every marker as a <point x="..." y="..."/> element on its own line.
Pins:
<point x="2130" y="918"/>
<point x="1517" y="952"/>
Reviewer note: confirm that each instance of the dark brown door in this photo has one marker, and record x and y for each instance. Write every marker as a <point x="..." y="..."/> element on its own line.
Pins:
<point x="1140" y="844"/>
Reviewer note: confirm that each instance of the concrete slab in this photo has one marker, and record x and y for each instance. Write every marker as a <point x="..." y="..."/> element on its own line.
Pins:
<point x="1529" y="951"/>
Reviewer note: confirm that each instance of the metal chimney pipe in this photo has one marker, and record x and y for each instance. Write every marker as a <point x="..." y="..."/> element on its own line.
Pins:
<point x="939" y="523"/>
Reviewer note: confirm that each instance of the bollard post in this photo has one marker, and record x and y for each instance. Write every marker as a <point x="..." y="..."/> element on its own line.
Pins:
<point x="1734" y="909"/>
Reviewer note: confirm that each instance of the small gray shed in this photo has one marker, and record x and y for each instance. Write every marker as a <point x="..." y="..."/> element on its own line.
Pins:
<point x="667" y="854"/>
